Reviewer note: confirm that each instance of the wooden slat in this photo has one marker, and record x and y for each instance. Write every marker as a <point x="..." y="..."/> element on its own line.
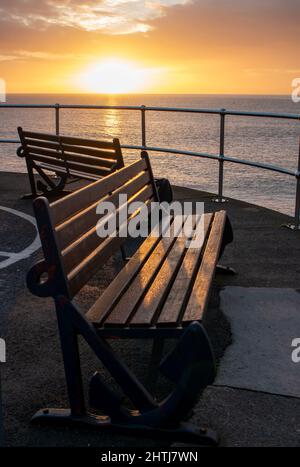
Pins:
<point x="73" y="173"/>
<point x="121" y="313"/>
<point x="198" y="300"/>
<point x="130" y="300"/>
<point x="70" y="140"/>
<point x="84" y="245"/>
<point x="116" y="289"/>
<point x="83" y="221"/>
<point x="79" y="276"/>
<point x="175" y="304"/>
<point x="146" y="313"/>
<point x="34" y="152"/>
<point x="81" y="167"/>
<point x="72" y="153"/>
<point x="54" y="145"/>
<point x="40" y="136"/>
<point x="72" y="160"/>
<point x="87" y="142"/>
<point x="75" y="202"/>
<point x="88" y="268"/>
<point x="100" y="154"/>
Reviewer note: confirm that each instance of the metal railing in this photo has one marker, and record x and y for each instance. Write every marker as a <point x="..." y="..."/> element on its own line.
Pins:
<point x="221" y="157"/>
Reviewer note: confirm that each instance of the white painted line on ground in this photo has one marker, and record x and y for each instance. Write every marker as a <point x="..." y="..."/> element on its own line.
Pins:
<point x="27" y="252"/>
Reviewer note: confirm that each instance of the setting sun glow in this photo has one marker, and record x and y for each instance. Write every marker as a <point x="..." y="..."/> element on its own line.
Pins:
<point x="149" y="47"/>
<point x="112" y="76"/>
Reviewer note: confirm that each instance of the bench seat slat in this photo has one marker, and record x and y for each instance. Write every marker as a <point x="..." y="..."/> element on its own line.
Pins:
<point x="98" y="312"/>
<point x="174" y="305"/>
<point x="159" y="289"/>
<point x="124" y="308"/>
<point x="199" y="297"/>
<point x="131" y="299"/>
<point x="148" y="309"/>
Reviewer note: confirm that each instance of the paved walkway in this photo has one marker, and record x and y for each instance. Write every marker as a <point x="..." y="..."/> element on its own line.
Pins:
<point x="263" y="253"/>
<point x="264" y="322"/>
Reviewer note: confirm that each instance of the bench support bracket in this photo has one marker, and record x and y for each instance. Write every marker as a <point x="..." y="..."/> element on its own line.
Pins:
<point x="225" y="270"/>
<point x="185" y="432"/>
<point x="50" y="188"/>
<point x="190" y="366"/>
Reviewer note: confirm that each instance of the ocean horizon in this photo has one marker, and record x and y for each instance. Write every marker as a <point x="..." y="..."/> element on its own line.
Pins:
<point x="269" y="141"/>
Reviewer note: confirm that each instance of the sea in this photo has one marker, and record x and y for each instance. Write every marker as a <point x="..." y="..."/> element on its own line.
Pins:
<point x="269" y="141"/>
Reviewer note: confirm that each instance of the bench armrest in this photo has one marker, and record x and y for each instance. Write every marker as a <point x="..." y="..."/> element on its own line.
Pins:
<point x="34" y="282"/>
<point x="21" y="151"/>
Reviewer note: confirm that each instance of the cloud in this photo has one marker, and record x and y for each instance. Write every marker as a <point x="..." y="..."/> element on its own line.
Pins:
<point x="106" y="16"/>
<point x="7" y="57"/>
<point x="262" y="71"/>
<point x="24" y="54"/>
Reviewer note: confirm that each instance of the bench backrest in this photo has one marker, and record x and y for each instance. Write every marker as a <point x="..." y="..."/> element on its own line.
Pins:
<point x="73" y="250"/>
<point x="92" y="157"/>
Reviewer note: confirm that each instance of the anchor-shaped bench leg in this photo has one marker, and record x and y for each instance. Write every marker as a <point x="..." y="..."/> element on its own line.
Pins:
<point x="190" y="366"/>
<point x="48" y="187"/>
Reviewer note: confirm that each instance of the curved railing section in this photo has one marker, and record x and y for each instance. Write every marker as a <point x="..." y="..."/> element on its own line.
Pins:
<point x="221" y="157"/>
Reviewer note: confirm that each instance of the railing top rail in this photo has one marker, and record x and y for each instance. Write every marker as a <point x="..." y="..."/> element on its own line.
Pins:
<point x="204" y="155"/>
<point x="240" y="113"/>
<point x="221" y="157"/>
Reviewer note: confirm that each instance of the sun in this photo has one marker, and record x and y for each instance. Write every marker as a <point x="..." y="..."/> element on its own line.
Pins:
<point x="112" y="76"/>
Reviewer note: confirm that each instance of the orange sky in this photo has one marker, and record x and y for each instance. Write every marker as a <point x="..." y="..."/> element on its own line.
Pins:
<point x="162" y="46"/>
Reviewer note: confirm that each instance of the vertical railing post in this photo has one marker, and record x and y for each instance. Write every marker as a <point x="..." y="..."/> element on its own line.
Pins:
<point x="297" y="204"/>
<point x="57" y="122"/>
<point x="296" y="225"/>
<point x="219" y="198"/>
<point x="143" y="122"/>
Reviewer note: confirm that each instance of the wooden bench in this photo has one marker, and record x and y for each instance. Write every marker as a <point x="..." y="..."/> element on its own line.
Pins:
<point x="161" y="292"/>
<point x="68" y="157"/>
